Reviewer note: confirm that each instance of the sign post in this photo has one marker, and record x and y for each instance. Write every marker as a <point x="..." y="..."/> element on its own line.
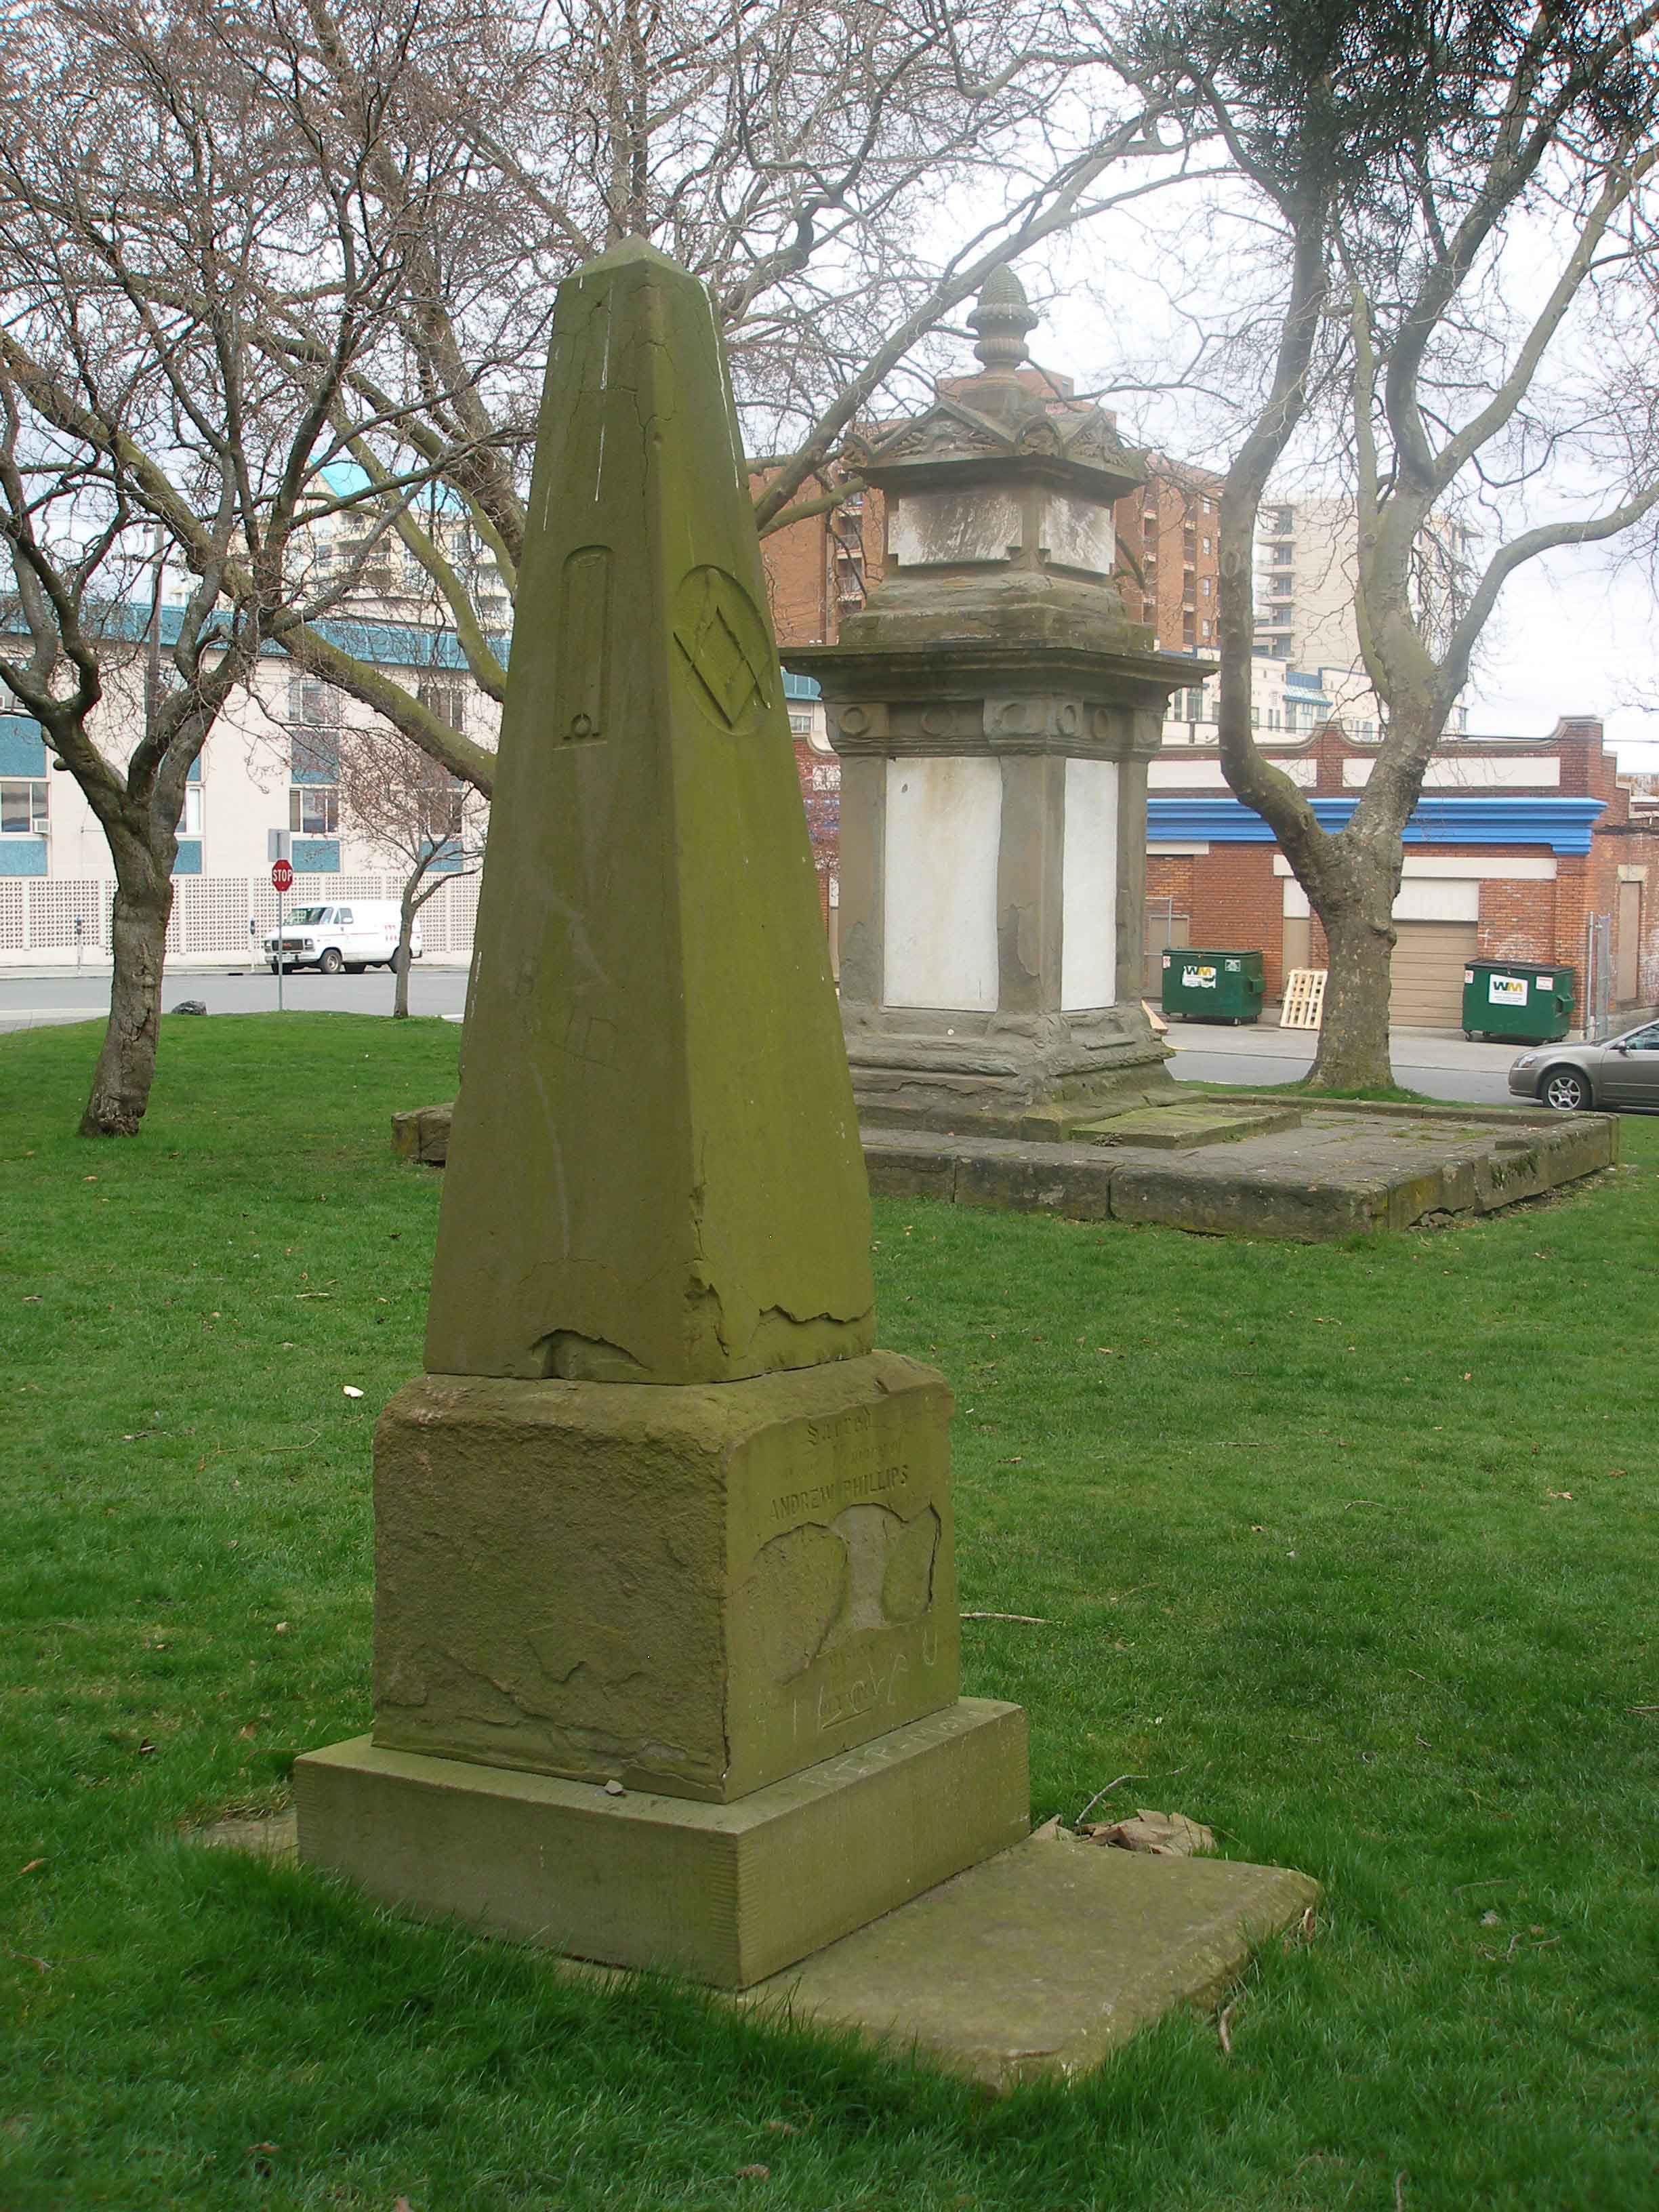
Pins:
<point x="282" y="877"/>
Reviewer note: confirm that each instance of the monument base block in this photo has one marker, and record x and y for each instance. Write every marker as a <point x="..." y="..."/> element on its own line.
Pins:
<point x="1003" y="1075"/>
<point x="693" y="1590"/>
<point x="726" y="1894"/>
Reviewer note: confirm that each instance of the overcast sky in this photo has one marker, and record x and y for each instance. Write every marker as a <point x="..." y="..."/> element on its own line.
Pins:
<point x="1576" y="633"/>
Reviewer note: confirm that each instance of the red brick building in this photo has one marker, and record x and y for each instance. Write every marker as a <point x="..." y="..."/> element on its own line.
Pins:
<point x="1170" y="555"/>
<point x="1515" y="845"/>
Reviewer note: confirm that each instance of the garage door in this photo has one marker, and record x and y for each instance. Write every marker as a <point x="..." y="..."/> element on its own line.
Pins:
<point x="1426" y="979"/>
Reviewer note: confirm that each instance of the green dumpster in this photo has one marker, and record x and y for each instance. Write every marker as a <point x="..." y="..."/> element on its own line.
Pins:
<point x="1213" y="987"/>
<point x="1519" y="999"/>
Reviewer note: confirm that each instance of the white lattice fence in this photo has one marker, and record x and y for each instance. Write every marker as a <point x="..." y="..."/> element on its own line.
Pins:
<point x="52" y="906"/>
<point x="210" y="913"/>
<point x="448" y="916"/>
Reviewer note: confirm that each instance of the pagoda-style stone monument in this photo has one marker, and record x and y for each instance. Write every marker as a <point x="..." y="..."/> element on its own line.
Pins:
<point x="666" y="1630"/>
<point x="994" y="711"/>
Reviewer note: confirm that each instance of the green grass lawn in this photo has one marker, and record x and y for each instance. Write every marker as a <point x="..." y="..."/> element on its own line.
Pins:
<point x="1350" y="1554"/>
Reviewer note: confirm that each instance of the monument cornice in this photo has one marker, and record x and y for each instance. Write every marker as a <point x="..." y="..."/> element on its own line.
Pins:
<point x="976" y="698"/>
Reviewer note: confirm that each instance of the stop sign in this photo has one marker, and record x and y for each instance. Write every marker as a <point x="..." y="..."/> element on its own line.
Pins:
<point x="281" y="875"/>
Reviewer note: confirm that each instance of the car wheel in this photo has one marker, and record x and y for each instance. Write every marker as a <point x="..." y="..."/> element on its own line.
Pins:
<point x="1565" y="1090"/>
<point x="273" y="967"/>
<point x="331" y="964"/>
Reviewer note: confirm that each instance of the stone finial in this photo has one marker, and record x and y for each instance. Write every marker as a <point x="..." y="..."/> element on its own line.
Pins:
<point x="1002" y="318"/>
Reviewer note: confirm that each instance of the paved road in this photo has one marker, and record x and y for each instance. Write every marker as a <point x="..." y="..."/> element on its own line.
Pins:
<point x="1438" y="1062"/>
<point x="27" y="1001"/>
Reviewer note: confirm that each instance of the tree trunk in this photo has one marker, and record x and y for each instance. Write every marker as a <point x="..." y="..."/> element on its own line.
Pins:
<point x="1353" y="1042"/>
<point x="126" y="1064"/>
<point x="405" y="958"/>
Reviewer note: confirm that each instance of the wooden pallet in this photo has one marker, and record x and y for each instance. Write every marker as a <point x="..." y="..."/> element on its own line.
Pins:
<point x="1304" y="999"/>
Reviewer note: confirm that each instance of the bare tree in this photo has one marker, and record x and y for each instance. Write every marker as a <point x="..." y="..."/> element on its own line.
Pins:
<point x="840" y="176"/>
<point x="1461" y="197"/>
<point x="152" y="201"/>
<point x="412" y="811"/>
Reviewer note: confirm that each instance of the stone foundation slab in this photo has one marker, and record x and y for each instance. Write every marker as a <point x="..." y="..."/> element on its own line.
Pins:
<point x="1044" y="1960"/>
<point x="726" y="1894"/>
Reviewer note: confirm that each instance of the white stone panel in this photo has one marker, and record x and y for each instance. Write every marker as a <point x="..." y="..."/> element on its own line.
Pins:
<point x="1484" y="772"/>
<point x="935" y="529"/>
<point x="1078" y="535"/>
<point x="1087" y="906"/>
<point x="1206" y="774"/>
<point x="943" y="831"/>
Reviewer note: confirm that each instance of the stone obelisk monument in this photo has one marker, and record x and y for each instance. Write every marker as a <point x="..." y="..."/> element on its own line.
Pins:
<point x="665" y="1628"/>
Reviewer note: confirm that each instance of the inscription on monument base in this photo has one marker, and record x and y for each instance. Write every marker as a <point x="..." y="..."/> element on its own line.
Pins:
<point x="799" y="1552"/>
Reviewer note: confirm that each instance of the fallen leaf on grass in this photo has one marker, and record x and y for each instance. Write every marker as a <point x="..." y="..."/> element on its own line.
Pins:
<point x="350" y="1390"/>
<point x="754" y="2173"/>
<point x="1224" y="2022"/>
<point x="34" y="1866"/>
<point x="1163" y="1835"/>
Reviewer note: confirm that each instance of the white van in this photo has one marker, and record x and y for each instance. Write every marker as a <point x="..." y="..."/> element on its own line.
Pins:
<point x="362" y="935"/>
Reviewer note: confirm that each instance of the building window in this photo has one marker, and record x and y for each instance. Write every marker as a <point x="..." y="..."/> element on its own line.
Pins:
<point x="444" y="812"/>
<point x="1204" y="585"/>
<point x="1206" y="545"/>
<point x="446" y="700"/>
<point x="313" y="705"/>
<point x="800" y="721"/>
<point x="190" y="822"/>
<point x="22" y="809"/>
<point x="313" y="811"/>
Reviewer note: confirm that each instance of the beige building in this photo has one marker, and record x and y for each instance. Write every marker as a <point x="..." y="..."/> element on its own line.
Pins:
<point x="1306" y="565"/>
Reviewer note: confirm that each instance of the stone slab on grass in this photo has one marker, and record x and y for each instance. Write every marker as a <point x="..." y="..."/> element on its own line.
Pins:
<point x="1045" y="1960"/>
<point x="1344" y="1171"/>
<point x="1039" y="1962"/>
<point x="1181" y="1128"/>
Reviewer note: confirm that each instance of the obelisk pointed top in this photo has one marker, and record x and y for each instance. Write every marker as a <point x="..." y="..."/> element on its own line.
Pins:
<point x="654" y="1173"/>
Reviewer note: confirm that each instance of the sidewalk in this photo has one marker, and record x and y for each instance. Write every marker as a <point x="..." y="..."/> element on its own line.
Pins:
<point x="1447" y="1049"/>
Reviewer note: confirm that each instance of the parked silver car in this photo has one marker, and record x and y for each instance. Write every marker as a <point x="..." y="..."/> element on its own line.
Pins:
<point x="1622" y="1073"/>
